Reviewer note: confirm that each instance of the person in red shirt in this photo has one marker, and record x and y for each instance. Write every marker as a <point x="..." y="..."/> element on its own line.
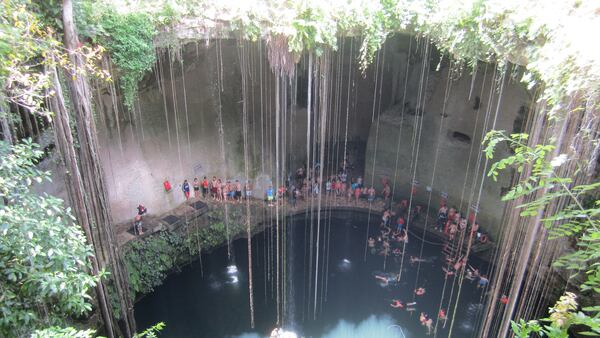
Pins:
<point x="167" y="185"/>
<point x="204" y="187"/>
<point x="442" y="314"/>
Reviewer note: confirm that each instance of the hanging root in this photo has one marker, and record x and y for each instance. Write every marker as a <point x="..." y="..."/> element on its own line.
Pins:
<point x="282" y="61"/>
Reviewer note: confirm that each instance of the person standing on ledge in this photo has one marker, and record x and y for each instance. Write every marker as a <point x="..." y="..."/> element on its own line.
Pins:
<point x="185" y="187"/>
<point x="141" y="209"/>
<point x="196" y="185"/>
<point x="204" y="187"/>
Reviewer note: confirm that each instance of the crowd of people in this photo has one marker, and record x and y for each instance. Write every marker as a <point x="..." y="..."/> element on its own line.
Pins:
<point x="457" y="230"/>
<point x="393" y="233"/>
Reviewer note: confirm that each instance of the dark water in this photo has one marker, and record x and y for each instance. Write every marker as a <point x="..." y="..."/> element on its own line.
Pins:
<point x="216" y="304"/>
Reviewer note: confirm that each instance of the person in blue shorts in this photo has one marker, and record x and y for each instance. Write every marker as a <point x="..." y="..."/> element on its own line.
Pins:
<point x="270" y="195"/>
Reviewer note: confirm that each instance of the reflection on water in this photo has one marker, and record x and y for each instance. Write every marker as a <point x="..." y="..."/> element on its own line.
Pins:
<point x="373" y="326"/>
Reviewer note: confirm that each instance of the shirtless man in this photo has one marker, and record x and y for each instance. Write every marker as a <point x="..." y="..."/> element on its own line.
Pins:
<point x="387" y="191"/>
<point x="462" y="224"/>
<point x="213" y="187"/>
<point x="226" y="190"/>
<point x="238" y="190"/>
<point x="459" y="264"/>
<point x="426" y="321"/>
<point x="371" y="192"/>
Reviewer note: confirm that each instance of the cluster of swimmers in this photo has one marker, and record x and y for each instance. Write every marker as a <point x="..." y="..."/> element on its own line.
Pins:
<point x="391" y="235"/>
<point x="452" y="222"/>
<point x="424" y="318"/>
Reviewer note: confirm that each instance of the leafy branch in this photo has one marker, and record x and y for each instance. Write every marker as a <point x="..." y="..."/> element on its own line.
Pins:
<point x="578" y="219"/>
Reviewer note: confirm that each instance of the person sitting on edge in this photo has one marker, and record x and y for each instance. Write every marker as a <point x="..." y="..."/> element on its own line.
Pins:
<point x="185" y="187"/>
<point x="397" y="304"/>
<point x="420" y="291"/>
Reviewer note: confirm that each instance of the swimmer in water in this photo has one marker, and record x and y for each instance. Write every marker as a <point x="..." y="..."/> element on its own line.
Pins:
<point x="414" y="260"/>
<point x="442" y="314"/>
<point x="397" y="304"/>
<point x="387" y="278"/>
<point x="420" y="291"/>
<point x="426" y="321"/>
<point x="448" y="272"/>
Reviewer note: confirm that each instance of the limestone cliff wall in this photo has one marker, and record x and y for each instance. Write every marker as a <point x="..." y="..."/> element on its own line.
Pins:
<point x="407" y="140"/>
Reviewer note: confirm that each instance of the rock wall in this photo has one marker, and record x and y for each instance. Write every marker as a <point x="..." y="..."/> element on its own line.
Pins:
<point x="438" y="143"/>
<point x="174" y="134"/>
<point x="160" y="140"/>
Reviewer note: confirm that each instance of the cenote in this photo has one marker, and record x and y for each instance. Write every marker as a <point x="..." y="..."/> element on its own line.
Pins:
<point x="211" y="300"/>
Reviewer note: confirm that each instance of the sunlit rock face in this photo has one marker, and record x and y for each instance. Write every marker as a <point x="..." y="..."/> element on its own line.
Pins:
<point x="174" y="132"/>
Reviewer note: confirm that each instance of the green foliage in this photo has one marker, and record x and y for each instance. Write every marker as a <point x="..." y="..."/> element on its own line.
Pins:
<point x="128" y="39"/>
<point x="578" y="219"/>
<point x="70" y="332"/>
<point x="44" y="266"/>
<point x="563" y="316"/>
<point x="59" y="332"/>
<point x="150" y="260"/>
<point x="151" y="332"/>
